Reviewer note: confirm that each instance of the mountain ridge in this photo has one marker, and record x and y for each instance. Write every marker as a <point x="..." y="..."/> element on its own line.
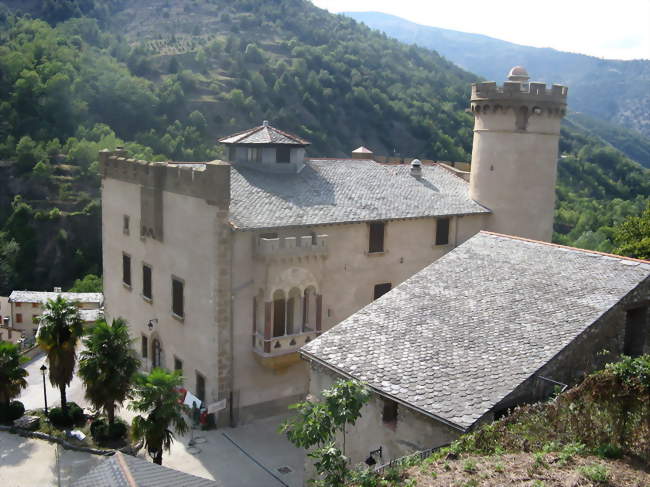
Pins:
<point x="615" y="91"/>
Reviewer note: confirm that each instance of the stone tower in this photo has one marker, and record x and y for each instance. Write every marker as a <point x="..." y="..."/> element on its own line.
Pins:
<point x="515" y="152"/>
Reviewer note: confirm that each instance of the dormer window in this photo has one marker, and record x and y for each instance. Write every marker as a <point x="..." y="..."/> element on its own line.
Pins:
<point x="283" y="155"/>
<point x="254" y="154"/>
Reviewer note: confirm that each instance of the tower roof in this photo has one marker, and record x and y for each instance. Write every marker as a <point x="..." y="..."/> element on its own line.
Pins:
<point x="518" y="73"/>
<point x="262" y="135"/>
<point x="362" y="150"/>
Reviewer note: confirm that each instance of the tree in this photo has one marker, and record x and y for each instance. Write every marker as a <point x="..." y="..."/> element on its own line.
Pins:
<point x="89" y="284"/>
<point x="317" y="423"/>
<point x="156" y="394"/>
<point x="108" y="366"/>
<point x="60" y="328"/>
<point x="633" y="236"/>
<point x="12" y="375"/>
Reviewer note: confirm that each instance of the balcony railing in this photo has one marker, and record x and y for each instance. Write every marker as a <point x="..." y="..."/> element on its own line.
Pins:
<point x="292" y="246"/>
<point x="282" y="345"/>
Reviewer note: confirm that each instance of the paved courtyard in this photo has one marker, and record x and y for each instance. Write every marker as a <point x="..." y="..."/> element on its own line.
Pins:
<point x="246" y="456"/>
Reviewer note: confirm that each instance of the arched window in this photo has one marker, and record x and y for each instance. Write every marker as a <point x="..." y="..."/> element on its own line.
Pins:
<point x="156" y="353"/>
<point x="279" y="313"/>
<point x="309" y="309"/>
<point x="294" y="311"/>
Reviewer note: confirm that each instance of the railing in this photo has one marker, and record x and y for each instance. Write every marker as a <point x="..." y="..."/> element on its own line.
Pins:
<point x="283" y="344"/>
<point x="291" y="246"/>
<point x="405" y="460"/>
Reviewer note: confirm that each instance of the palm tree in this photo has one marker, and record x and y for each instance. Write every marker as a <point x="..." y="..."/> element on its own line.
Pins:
<point x="59" y="329"/>
<point x="157" y="395"/>
<point x="108" y="366"/>
<point x="12" y="375"/>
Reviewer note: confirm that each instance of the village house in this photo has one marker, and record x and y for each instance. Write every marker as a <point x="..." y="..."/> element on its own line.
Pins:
<point x="225" y="269"/>
<point x="26" y="307"/>
<point x="497" y="322"/>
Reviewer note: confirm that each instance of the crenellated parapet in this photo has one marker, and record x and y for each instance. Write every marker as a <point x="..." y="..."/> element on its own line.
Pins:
<point x="206" y="180"/>
<point x="534" y="98"/>
<point x="209" y="181"/>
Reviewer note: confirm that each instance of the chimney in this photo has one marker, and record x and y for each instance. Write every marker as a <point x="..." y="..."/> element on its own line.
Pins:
<point x="57" y="289"/>
<point x="362" y="153"/>
<point x="416" y="168"/>
<point x="265" y="123"/>
<point x="120" y="151"/>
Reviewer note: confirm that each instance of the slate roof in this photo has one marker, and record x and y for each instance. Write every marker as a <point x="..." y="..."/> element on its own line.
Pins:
<point x="43" y="296"/>
<point x="344" y="190"/>
<point x="127" y="471"/>
<point x="456" y="338"/>
<point x="264" y="134"/>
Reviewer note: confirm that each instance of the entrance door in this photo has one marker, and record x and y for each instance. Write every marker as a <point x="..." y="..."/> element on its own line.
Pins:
<point x="156" y="353"/>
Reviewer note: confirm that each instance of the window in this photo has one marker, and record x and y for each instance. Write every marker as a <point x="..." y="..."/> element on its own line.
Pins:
<point x="231" y="153"/>
<point x="19" y="318"/>
<point x="200" y="387"/>
<point x="389" y="413"/>
<point x="144" y="342"/>
<point x="283" y="154"/>
<point x="178" y="364"/>
<point x="146" y="281"/>
<point x="635" y="331"/>
<point x="381" y="289"/>
<point x="442" y="231"/>
<point x="376" y="238"/>
<point x="177" y="297"/>
<point x="18" y="305"/>
<point x="34" y="305"/>
<point x="279" y="313"/>
<point x="126" y="269"/>
<point x="254" y="154"/>
<point x="125" y="225"/>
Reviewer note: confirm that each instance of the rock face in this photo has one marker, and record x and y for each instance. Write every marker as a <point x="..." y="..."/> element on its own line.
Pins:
<point x="30" y="423"/>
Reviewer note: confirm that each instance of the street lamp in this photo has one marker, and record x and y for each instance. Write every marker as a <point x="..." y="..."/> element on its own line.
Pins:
<point x="43" y="369"/>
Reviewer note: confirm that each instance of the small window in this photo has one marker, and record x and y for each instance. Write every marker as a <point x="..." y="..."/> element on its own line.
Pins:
<point x="200" y="387"/>
<point x="126" y="269"/>
<point x="376" y="238"/>
<point x="177" y="297"/>
<point x="144" y="342"/>
<point x="34" y="305"/>
<point x="254" y="154"/>
<point x="146" y="281"/>
<point x="381" y="289"/>
<point x="635" y="331"/>
<point x="389" y="413"/>
<point x="19" y="318"/>
<point x="125" y="225"/>
<point x="18" y="305"/>
<point x="442" y="231"/>
<point x="178" y="364"/>
<point x="283" y="154"/>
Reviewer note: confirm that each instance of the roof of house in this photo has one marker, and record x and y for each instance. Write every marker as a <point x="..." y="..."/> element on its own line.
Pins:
<point x="127" y="471"/>
<point x="329" y="191"/>
<point x="456" y="338"/>
<point x="264" y="134"/>
<point x="44" y="296"/>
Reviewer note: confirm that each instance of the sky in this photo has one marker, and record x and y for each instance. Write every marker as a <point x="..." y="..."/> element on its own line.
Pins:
<point x="608" y="29"/>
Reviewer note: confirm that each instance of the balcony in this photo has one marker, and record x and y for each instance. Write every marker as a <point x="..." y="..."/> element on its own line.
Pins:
<point x="307" y="245"/>
<point x="281" y="352"/>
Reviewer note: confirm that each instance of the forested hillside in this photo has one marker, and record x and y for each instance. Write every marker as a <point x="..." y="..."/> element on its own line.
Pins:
<point x="167" y="77"/>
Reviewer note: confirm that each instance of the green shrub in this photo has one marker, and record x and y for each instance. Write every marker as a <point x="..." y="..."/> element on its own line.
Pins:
<point x="11" y="412"/>
<point x="595" y="473"/>
<point x="101" y="431"/>
<point x="608" y="450"/>
<point x="74" y="415"/>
